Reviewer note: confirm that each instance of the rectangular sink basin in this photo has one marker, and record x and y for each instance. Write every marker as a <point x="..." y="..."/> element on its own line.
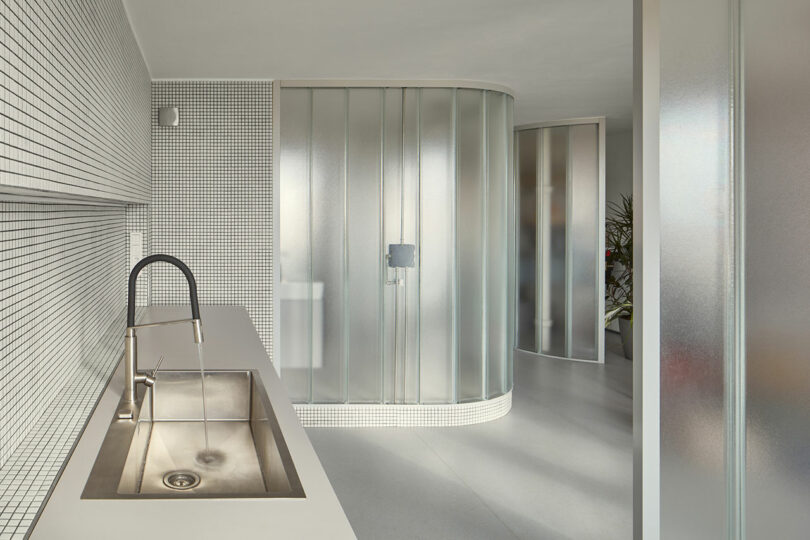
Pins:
<point x="161" y="452"/>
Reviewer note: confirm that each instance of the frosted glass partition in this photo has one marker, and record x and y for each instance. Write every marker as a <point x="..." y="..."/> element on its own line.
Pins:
<point x="776" y="44"/>
<point x="560" y="175"/>
<point x="722" y="144"/>
<point x="368" y="170"/>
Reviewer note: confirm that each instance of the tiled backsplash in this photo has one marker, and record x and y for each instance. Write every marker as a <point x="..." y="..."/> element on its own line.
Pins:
<point x="62" y="292"/>
<point x="75" y="96"/>
<point x="212" y="195"/>
<point x="138" y="221"/>
<point x="61" y="284"/>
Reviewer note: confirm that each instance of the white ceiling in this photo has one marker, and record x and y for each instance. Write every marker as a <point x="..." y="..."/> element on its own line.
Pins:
<point x="562" y="58"/>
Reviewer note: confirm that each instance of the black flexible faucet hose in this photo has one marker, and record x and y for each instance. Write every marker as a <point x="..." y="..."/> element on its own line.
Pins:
<point x="133" y="278"/>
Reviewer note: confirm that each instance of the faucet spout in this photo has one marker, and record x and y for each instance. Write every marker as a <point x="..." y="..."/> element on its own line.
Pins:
<point x="131" y="373"/>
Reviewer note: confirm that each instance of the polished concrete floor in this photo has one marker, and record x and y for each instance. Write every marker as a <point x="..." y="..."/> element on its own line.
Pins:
<point x="559" y="465"/>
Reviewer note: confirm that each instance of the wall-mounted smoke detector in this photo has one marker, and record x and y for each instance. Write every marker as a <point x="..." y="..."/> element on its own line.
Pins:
<point x="168" y="116"/>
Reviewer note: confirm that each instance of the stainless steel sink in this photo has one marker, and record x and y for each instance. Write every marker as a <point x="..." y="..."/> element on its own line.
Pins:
<point x="160" y="452"/>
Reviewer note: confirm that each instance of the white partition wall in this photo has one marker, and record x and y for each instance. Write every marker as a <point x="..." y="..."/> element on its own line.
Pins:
<point x="561" y="190"/>
<point x="367" y="171"/>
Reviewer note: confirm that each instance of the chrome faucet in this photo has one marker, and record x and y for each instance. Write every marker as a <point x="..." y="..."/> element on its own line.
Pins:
<point x="131" y="374"/>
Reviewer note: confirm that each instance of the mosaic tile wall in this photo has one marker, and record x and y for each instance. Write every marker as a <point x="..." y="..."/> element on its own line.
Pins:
<point x="212" y="195"/>
<point x="75" y="96"/>
<point x="62" y="282"/>
<point x="75" y="93"/>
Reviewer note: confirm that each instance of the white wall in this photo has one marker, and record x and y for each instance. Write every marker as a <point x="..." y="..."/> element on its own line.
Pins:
<point x="618" y="164"/>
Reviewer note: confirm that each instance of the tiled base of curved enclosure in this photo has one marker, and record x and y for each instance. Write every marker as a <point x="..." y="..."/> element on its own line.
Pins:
<point x="401" y="415"/>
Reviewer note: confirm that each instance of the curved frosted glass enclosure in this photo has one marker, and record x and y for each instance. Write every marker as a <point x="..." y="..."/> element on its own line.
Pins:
<point x="562" y="227"/>
<point x="396" y="244"/>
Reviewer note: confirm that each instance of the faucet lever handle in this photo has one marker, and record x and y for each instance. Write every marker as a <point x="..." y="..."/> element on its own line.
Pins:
<point x="157" y="367"/>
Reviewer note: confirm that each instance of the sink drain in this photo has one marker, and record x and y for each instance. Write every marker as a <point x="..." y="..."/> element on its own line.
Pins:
<point x="181" y="479"/>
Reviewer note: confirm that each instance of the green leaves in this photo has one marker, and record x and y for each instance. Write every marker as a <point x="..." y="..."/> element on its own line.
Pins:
<point x="619" y="260"/>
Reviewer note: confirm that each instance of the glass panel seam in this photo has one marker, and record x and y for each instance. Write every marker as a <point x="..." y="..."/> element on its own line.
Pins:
<point x="540" y="197"/>
<point x="516" y="170"/>
<point x="310" y="334"/>
<point x="569" y="256"/>
<point x="505" y="242"/>
<point x="381" y="262"/>
<point x="346" y="298"/>
<point x="418" y="374"/>
<point x="599" y="326"/>
<point x="454" y="349"/>
<point x="402" y="381"/>
<point x="735" y="361"/>
<point x="485" y="248"/>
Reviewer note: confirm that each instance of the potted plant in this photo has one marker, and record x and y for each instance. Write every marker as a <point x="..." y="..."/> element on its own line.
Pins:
<point x="619" y="269"/>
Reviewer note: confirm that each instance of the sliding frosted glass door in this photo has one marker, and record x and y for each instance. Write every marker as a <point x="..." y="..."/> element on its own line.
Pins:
<point x="561" y="226"/>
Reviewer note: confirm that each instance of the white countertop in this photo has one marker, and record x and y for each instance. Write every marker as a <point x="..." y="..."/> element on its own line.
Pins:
<point x="231" y="342"/>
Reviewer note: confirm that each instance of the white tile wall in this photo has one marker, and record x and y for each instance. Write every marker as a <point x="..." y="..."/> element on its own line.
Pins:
<point x="74" y="122"/>
<point x="62" y="298"/>
<point x="75" y="93"/>
<point x="29" y="472"/>
<point x="212" y="195"/>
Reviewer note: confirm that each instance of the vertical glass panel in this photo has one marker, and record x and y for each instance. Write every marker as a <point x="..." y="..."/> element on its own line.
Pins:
<point x="394" y="292"/>
<point x="328" y="196"/>
<point x="553" y="250"/>
<point x="528" y="273"/>
<point x="295" y="317"/>
<point x="471" y="243"/>
<point x="694" y="195"/>
<point x="497" y="244"/>
<point x="364" y="237"/>
<point x="511" y="271"/>
<point x="409" y="377"/>
<point x="584" y="228"/>
<point x="777" y="286"/>
<point x="437" y="199"/>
